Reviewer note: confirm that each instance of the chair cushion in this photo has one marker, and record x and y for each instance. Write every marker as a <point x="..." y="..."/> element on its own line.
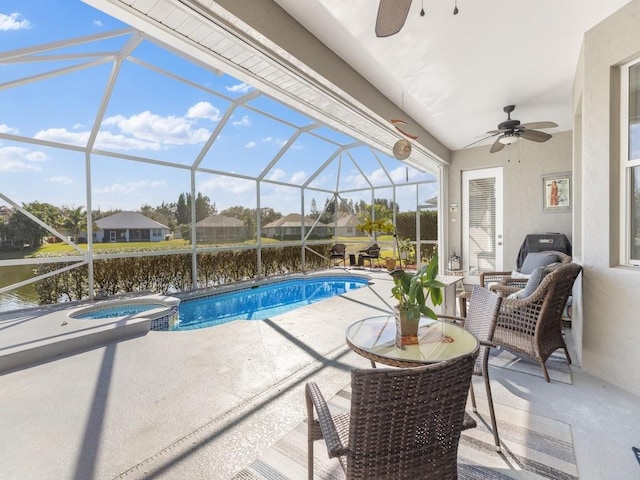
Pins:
<point x="538" y="259"/>
<point x="516" y="295"/>
<point x="534" y="281"/>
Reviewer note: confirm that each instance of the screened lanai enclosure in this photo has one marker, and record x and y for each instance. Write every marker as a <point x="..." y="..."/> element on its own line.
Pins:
<point x="181" y="156"/>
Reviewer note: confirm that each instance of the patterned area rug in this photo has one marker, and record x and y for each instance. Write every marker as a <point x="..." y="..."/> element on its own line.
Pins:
<point x="557" y="366"/>
<point x="533" y="448"/>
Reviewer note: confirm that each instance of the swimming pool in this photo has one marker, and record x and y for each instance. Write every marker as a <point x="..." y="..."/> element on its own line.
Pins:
<point x="263" y="301"/>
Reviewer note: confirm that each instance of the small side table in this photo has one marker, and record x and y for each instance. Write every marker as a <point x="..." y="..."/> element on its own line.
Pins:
<point x="462" y="311"/>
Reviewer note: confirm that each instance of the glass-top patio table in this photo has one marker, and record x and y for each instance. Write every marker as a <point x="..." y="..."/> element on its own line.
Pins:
<point x="375" y="338"/>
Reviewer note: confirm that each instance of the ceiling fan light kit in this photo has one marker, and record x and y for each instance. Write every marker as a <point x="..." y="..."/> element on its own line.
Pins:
<point x="508" y="138"/>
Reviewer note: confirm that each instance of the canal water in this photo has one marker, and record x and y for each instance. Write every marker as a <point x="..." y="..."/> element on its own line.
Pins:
<point x="21" y="297"/>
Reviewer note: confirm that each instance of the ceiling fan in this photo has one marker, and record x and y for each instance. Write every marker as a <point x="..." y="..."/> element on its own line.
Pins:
<point x="510" y="131"/>
<point x="392" y="14"/>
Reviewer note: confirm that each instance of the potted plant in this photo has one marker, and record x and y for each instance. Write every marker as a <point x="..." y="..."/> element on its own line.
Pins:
<point x="412" y="290"/>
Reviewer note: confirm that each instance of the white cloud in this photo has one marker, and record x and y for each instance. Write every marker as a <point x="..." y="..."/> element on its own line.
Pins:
<point x="250" y="145"/>
<point x="62" y="180"/>
<point x="141" y="131"/>
<point x="298" y="177"/>
<point x="109" y="141"/>
<point x="243" y="122"/>
<point x="130" y="187"/>
<point x="150" y="127"/>
<point x="204" y="110"/>
<point x="98" y="23"/>
<point x="221" y="184"/>
<point x="62" y="135"/>
<point x="4" y="128"/>
<point x="19" y="159"/>
<point x="277" y="175"/>
<point x="240" y="87"/>
<point x="105" y="140"/>
<point x="274" y="141"/>
<point x="13" y="21"/>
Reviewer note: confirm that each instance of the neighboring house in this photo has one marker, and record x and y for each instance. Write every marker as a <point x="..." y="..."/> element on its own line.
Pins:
<point x="347" y="226"/>
<point x="129" y="227"/>
<point x="289" y="227"/>
<point x="218" y="228"/>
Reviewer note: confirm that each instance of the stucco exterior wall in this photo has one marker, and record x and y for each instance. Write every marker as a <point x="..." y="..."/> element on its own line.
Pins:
<point x="610" y="291"/>
<point x="523" y="164"/>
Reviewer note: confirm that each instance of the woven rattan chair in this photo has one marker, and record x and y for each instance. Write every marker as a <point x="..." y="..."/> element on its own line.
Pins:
<point x="503" y="283"/>
<point x="338" y="252"/>
<point x="370" y="253"/>
<point x="532" y="326"/>
<point x="403" y="423"/>
<point x="481" y="322"/>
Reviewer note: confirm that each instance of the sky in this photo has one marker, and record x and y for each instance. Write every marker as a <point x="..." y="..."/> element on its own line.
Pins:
<point x="56" y="95"/>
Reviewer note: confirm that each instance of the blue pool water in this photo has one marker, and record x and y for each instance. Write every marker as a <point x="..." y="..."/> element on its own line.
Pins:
<point x="263" y="301"/>
<point x="119" y="311"/>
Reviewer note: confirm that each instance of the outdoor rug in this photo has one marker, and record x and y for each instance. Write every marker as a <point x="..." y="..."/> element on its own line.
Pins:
<point x="533" y="448"/>
<point x="557" y="366"/>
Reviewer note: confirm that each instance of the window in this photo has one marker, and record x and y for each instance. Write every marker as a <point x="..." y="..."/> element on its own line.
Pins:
<point x="630" y="152"/>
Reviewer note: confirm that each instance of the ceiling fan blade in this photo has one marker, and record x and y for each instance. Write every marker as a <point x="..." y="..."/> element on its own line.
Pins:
<point x="502" y="130"/>
<point x="538" y="125"/>
<point x="535" y="135"/>
<point x="481" y="140"/>
<point x="391" y="16"/>
<point x="497" y="146"/>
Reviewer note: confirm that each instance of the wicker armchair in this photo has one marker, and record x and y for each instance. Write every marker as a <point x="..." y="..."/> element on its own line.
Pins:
<point x="369" y="254"/>
<point x="338" y="252"/>
<point x="403" y="423"/>
<point x="481" y="322"/>
<point x="532" y="326"/>
<point x="503" y="283"/>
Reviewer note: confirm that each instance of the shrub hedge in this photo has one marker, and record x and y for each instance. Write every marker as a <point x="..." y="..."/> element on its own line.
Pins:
<point x="172" y="272"/>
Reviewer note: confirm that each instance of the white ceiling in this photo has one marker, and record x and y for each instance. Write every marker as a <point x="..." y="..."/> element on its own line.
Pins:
<point x="454" y="74"/>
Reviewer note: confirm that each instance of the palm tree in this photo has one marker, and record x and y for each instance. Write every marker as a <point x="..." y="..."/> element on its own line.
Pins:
<point x="75" y="221"/>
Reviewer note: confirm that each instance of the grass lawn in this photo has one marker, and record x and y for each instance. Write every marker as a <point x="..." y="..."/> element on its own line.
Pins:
<point x="354" y="244"/>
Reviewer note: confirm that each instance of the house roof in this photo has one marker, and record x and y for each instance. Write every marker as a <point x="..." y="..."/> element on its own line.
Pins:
<point x="220" y="221"/>
<point x="294" y="220"/>
<point x="350" y="220"/>
<point x="128" y="220"/>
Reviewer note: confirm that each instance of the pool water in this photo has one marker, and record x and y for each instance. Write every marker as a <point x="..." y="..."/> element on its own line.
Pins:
<point x="263" y="301"/>
<point x="119" y="311"/>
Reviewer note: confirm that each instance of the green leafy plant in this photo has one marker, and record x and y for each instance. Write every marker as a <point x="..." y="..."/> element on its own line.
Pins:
<point x="412" y="290"/>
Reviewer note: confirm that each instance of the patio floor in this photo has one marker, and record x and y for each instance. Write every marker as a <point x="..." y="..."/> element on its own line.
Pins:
<point x="205" y="403"/>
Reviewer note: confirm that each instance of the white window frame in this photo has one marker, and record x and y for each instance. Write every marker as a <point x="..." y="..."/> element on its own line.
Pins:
<point x="626" y="167"/>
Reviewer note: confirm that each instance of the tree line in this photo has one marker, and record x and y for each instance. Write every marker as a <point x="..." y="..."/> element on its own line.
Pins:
<point x="18" y="230"/>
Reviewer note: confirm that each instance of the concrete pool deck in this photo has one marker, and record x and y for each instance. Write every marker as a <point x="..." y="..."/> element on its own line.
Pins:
<point x="204" y="403"/>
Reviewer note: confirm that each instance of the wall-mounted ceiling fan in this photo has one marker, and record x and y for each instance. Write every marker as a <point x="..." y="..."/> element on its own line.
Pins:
<point x="510" y="131"/>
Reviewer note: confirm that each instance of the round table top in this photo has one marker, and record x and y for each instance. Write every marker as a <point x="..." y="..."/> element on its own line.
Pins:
<point x="375" y="338"/>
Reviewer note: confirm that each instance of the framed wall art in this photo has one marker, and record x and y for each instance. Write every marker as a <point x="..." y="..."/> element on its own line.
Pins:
<point x="556" y="192"/>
